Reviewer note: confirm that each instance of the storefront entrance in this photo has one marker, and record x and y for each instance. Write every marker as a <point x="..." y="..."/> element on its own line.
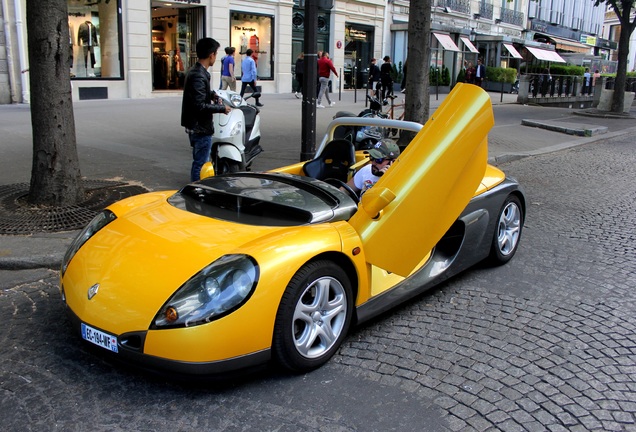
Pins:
<point x="298" y="34"/>
<point x="358" y="54"/>
<point x="175" y="32"/>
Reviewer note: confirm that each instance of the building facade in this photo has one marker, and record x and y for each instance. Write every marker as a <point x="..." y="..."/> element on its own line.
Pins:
<point x="612" y="31"/>
<point x="142" y="48"/>
<point x="506" y="33"/>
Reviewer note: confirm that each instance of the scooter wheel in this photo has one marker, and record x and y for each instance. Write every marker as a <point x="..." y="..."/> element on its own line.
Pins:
<point x="226" y="166"/>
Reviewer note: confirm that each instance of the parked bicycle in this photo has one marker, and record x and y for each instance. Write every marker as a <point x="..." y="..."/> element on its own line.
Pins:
<point x="376" y="108"/>
<point x="393" y="111"/>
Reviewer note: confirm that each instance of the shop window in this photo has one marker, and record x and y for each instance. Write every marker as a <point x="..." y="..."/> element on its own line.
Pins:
<point x="95" y="39"/>
<point x="252" y="31"/>
<point x="175" y="32"/>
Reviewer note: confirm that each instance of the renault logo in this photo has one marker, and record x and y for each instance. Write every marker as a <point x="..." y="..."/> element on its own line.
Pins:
<point x="92" y="291"/>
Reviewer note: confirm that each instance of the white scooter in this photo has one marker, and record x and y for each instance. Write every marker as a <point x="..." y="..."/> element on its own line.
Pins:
<point x="236" y="138"/>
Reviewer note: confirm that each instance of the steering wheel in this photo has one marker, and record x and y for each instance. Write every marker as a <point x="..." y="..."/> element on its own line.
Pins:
<point x="340" y="184"/>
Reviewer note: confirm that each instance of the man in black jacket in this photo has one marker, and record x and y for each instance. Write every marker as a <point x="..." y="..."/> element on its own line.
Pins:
<point x="198" y="105"/>
<point x="374" y="77"/>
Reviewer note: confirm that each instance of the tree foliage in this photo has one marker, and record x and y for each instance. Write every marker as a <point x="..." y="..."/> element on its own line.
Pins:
<point x="623" y="10"/>
<point x="55" y="173"/>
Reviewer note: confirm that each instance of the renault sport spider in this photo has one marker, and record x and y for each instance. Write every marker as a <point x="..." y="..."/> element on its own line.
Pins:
<point x="242" y="269"/>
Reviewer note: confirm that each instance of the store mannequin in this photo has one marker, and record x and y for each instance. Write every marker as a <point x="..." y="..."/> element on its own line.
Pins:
<point x="87" y="38"/>
<point x="243" y="43"/>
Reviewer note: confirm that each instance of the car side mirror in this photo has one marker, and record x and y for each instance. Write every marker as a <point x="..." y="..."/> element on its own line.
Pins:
<point x="375" y="200"/>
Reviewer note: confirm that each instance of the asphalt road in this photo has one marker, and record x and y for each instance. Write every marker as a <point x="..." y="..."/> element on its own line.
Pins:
<point x="546" y="342"/>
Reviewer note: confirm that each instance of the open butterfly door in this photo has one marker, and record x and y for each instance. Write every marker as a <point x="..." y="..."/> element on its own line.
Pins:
<point x="403" y="216"/>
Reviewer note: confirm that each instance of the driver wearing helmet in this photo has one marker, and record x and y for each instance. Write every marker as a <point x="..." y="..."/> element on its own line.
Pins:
<point x="382" y="155"/>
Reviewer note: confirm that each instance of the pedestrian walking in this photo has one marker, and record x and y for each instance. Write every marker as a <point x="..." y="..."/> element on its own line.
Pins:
<point x="587" y="81"/>
<point x="470" y="73"/>
<point x="385" y="78"/>
<point x="299" y="70"/>
<point x="199" y="103"/>
<point x="227" y="71"/>
<point x="248" y="77"/>
<point x="403" y="83"/>
<point x="325" y="68"/>
<point x="374" y="77"/>
<point x="480" y="73"/>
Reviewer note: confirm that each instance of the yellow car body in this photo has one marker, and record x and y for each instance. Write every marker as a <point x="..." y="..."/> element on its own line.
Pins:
<point x="117" y="279"/>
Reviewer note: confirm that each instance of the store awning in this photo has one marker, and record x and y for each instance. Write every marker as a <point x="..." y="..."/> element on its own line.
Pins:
<point x="570" y="45"/>
<point x="469" y="44"/>
<point x="446" y="42"/>
<point x="513" y="51"/>
<point x="546" y="55"/>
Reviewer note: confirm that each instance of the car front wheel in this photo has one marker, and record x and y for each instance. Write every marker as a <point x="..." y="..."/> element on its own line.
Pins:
<point x="313" y="317"/>
<point x="507" y="232"/>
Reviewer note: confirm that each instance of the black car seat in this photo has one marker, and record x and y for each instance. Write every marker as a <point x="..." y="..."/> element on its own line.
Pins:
<point x="334" y="162"/>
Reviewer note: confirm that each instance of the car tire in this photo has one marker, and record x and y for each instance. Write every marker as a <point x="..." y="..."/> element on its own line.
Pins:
<point x="505" y="241"/>
<point x="313" y="317"/>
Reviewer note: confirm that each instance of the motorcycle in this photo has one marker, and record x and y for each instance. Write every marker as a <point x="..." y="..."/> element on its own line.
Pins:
<point x="237" y="135"/>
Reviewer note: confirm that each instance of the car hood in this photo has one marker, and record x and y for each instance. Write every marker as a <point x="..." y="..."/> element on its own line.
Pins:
<point x="140" y="259"/>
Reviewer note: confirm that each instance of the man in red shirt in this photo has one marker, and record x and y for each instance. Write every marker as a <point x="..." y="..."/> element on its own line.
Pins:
<point x="325" y="67"/>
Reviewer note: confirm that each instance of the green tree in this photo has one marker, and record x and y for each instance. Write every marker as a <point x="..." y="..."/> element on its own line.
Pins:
<point x="623" y="10"/>
<point x="55" y="174"/>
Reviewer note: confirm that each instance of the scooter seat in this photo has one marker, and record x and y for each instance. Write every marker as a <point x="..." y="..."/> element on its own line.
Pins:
<point x="341" y="114"/>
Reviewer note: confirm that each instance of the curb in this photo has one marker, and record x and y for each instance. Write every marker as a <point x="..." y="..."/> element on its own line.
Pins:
<point x="52" y="262"/>
<point x="509" y="157"/>
<point x="567" y="128"/>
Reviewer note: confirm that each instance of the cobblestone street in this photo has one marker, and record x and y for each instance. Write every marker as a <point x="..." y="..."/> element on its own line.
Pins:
<point x="547" y="342"/>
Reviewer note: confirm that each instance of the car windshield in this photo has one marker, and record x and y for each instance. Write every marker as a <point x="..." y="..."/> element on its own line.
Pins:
<point x="261" y="199"/>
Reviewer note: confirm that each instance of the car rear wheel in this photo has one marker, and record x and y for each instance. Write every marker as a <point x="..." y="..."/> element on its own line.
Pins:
<point x="507" y="232"/>
<point x="313" y="317"/>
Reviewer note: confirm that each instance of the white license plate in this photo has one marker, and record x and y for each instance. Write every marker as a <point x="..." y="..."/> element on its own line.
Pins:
<point x="99" y="338"/>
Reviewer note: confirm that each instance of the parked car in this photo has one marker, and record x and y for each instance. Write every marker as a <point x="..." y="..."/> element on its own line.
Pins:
<point x="240" y="269"/>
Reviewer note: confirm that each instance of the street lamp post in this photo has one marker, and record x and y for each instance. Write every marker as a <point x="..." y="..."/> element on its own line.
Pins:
<point x="310" y="75"/>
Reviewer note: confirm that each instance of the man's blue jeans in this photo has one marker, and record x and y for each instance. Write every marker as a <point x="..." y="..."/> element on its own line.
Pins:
<point x="201" y="146"/>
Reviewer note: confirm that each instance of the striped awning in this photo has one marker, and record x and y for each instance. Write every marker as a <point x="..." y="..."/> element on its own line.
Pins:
<point x="446" y="42"/>
<point x="546" y="55"/>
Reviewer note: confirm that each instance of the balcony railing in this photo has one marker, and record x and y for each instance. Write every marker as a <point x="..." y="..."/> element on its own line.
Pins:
<point x="485" y="10"/>
<point x="512" y="17"/>
<point x="461" y="6"/>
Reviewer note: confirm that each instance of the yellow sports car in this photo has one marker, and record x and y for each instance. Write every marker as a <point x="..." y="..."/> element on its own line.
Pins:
<point x="240" y="269"/>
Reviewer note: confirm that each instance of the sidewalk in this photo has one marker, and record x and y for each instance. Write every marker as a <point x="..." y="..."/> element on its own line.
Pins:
<point x="141" y="141"/>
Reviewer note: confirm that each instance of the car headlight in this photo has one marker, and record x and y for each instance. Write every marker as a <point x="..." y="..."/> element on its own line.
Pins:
<point x="215" y="291"/>
<point x="98" y="222"/>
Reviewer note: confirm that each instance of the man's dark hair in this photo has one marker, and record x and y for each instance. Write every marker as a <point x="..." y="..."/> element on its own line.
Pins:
<point x="206" y="46"/>
<point x="248" y="52"/>
<point x="229" y="50"/>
